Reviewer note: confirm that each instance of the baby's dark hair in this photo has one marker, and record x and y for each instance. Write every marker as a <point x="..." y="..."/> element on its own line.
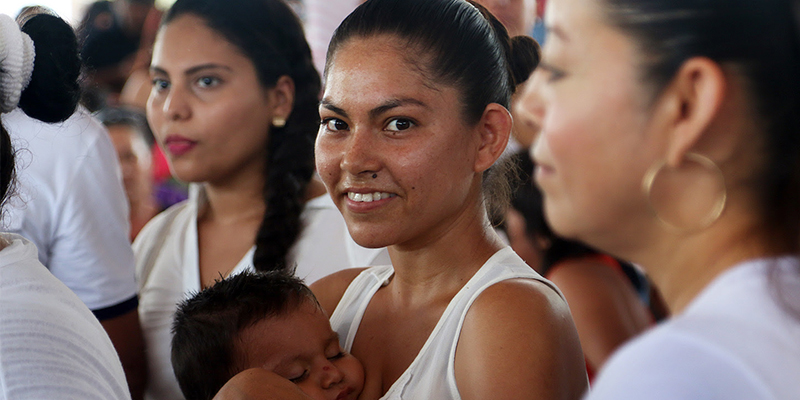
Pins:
<point x="53" y="91"/>
<point x="207" y="326"/>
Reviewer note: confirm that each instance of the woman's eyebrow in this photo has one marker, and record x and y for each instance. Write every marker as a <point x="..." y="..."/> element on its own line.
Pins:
<point x="377" y="111"/>
<point x="329" y="105"/>
<point x="158" y="70"/>
<point x="202" y="67"/>
<point x="394" y="103"/>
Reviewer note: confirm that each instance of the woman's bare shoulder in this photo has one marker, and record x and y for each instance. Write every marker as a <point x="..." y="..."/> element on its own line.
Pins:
<point x="520" y="332"/>
<point x="330" y="289"/>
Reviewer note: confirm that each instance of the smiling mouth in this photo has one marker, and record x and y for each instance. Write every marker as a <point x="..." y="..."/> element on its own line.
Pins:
<point x="369" y="197"/>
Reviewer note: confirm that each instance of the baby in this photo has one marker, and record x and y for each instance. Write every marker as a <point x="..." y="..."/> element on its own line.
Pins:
<point x="260" y="320"/>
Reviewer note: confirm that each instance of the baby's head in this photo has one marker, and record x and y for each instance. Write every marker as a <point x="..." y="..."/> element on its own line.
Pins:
<point x="265" y="320"/>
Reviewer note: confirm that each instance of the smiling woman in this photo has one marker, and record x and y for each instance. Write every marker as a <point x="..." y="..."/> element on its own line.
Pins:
<point x="414" y="109"/>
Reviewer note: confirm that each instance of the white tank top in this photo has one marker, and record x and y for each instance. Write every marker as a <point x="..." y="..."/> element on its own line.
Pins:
<point x="432" y="373"/>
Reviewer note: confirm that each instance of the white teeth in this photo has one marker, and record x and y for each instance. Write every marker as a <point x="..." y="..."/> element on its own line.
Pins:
<point x="368" y="197"/>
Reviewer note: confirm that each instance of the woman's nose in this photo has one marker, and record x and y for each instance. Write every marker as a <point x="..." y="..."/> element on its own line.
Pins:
<point x="176" y="106"/>
<point x="360" y="153"/>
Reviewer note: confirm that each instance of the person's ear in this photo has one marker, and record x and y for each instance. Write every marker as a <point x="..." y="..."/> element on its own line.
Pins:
<point x="691" y="102"/>
<point x="494" y="128"/>
<point x="281" y="97"/>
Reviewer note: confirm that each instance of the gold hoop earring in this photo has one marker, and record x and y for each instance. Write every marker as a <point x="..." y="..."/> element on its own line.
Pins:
<point x="278" y="122"/>
<point x="716" y="210"/>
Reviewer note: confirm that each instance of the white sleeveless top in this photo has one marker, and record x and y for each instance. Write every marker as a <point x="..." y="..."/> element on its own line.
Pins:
<point x="432" y="373"/>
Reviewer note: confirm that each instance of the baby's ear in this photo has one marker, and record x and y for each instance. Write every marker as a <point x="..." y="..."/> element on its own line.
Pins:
<point x="494" y="128"/>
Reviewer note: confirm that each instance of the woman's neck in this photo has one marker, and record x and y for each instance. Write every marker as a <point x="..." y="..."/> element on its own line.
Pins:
<point x="232" y="204"/>
<point x="682" y="267"/>
<point x="445" y="264"/>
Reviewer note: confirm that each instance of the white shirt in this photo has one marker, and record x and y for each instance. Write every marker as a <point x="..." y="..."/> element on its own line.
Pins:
<point x="51" y="346"/>
<point x="323" y="248"/>
<point x="432" y="373"/>
<point x="70" y="203"/>
<point x="733" y="342"/>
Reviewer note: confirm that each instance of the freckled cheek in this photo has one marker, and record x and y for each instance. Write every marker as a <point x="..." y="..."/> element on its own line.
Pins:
<point x="326" y="161"/>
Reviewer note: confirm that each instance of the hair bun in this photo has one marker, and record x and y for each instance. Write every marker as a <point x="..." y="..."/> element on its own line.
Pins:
<point x="524" y="56"/>
<point x="53" y="91"/>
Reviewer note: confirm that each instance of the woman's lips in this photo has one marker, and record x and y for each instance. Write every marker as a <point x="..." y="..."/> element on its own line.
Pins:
<point x="362" y="201"/>
<point x="368" y="197"/>
<point x="177" y="145"/>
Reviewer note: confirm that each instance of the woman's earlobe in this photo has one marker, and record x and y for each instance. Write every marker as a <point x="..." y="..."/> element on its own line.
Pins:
<point x="283" y="97"/>
<point x="495" y="130"/>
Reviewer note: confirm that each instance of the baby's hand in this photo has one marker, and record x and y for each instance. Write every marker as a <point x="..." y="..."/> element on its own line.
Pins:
<point x="259" y="384"/>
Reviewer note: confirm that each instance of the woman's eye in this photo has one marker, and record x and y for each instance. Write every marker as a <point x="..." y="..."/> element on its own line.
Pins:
<point x="334" y="124"/>
<point x="160" y="84"/>
<point x="207" y="81"/>
<point x="300" y="378"/>
<point x="553" y="73"/>
<point x="399" y="124"/>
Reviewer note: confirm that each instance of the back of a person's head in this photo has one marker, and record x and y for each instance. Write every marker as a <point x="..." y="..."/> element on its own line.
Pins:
<point x="53" y="91"/>
<point x="207" y="326"/>
<point x="269" y="34"/>
<point x="39" y="69"/>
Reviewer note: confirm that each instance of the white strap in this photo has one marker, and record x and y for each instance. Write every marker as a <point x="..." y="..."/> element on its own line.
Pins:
<point x="17" y="54"/>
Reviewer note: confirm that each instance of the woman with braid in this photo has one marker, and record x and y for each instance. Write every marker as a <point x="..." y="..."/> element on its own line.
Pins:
<point x="234" y="106"/>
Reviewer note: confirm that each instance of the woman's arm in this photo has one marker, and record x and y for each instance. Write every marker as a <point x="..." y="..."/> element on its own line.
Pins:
<point x="519" y="342"/>
<point x="605" y="307"/>
<point x="258" y="384"/>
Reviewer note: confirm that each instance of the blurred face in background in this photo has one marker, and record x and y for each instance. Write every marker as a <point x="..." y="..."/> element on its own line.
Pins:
<point x="518" y="16"/>
<point x="132" y="13"/>
<point x="207" y="107"/>
<point x="134" y="160"/>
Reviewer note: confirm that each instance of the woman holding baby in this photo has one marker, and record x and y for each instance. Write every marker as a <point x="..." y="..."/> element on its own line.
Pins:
<point x="413" y="118"/>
